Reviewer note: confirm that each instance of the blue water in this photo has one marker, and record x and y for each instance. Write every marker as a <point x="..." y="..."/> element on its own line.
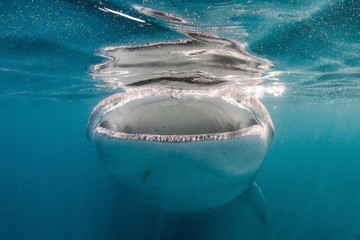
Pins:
<point x="52" y="185"/>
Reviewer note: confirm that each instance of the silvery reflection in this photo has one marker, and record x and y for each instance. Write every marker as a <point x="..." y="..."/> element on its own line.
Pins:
<point x="162" y="15"/>
<point x="203" y="60"/>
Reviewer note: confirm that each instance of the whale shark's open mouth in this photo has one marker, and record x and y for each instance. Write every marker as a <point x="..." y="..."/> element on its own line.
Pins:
<point x="165" y="116"/>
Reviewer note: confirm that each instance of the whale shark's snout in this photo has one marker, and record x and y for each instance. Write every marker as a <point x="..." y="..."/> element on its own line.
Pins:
<point x="181" y="150"/>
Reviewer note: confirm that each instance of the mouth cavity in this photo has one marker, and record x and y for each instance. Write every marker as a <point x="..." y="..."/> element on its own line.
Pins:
<point x="189" y="115"/>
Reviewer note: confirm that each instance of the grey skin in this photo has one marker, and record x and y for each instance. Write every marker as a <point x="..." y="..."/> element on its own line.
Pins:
<point x="183" y="151"/>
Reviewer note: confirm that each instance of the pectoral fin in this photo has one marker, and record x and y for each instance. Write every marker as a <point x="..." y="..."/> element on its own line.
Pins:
<point x="254" y="197"/>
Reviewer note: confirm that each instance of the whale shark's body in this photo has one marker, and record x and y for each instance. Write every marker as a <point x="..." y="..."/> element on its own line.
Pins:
<point x="182" y="151"/>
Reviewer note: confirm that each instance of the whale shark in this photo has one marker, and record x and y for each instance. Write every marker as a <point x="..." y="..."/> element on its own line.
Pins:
<point x="181" y="134"/>
<point x="182" y="151"/>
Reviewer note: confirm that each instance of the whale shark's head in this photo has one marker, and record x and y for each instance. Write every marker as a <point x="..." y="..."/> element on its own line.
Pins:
<point x="181" y="150"/>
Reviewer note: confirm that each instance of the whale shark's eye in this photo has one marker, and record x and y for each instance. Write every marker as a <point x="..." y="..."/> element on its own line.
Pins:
<point x="163" y="115"/>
